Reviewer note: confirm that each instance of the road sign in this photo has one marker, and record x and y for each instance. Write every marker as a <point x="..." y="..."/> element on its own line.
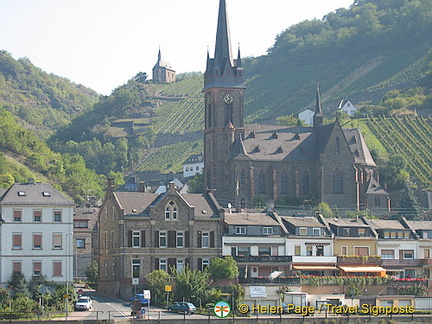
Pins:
<point x="147" y="294"/>
<point x="80" y="291"/>
<point x="65" y="296"/>
<point x="168" y="288"/>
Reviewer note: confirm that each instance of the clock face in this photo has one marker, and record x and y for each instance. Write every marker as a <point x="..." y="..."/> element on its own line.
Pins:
<point x="228" y="98"/>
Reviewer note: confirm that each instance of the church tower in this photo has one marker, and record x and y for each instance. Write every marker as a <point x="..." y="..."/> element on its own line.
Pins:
<point x="224" y="93"/>
<point x="318" y="118"/>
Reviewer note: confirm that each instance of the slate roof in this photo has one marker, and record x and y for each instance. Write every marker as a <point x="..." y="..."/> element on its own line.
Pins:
<point x="358" y="147"/>
<point x="346" y="222"/>
<point x="257" y="219"/>
<point x="420" y="225"/>
<point x="34" y="193"/>
<point x="374" y="188"/>
<point x="303" y="221"/>
<point x="194" y="158"/>
<point x="387" y="224"/>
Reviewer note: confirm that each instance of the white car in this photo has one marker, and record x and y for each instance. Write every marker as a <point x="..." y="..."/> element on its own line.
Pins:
<point x="83" y="303"/>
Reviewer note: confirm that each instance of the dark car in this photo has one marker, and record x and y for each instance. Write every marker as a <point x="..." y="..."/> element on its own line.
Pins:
<point x="182" y="307"/>
<point x="140" y="297"/>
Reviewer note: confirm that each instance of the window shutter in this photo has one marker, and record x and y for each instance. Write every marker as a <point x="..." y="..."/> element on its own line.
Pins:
<point x="199" y="263"/>
<point x="57" y="271"/>
<point x="186" y="239"/>
<point x="17" y="241"/>
<point x="157" y="261"/>
<point x="57" y="241"/>
<point x="199" y="242"/>
<point x="37" y="240"/>
<point x="187" y="262"/>
<point x="171" y="239"/>
<point x="142" y="238"/>
<point x="37" y="266"/>
<point x="16" y="267"/>
<point x="212" y="239"/>
<point x="129" y="244"/>
<point x="157" y="242"/>
<point x="171" y="264"/>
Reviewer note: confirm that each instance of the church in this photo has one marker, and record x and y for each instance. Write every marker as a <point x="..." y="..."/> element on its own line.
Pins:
<point x="246" y="164"/>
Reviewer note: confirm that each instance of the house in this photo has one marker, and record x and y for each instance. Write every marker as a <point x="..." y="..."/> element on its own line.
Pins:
<point x="140" y="232"/>
<point x="36" y="232"/>
<point x="423" y="230"/>
<point x="306" y="116"/>
<point x="310" y="243"/>
<point x="347" y="107"/>
<point x="163" y="72"/>
<point x="193" y="165"/>
<point x="85" y="237"/>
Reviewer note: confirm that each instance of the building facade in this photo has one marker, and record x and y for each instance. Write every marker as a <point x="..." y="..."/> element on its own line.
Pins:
<point x="140" y="232"/>
<point x="250" y="163"/>
<point x="36" y="233"/>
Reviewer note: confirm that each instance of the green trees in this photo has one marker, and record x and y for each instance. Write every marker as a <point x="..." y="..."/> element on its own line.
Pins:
<point x="92" y="273"/>
<point x="157" y="281"/>
<point x="223" y="268"/>
<point x="191" y="285"/>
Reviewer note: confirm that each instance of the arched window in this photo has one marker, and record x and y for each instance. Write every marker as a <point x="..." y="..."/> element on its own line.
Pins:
<point x="261" y="182"/>
<point x="337" y="181"/>
<point x="305" y="183"/>
<point x="171" y="211"/>
<point x="283" y="186"/>
<point x="242" y="180"/>
<point x="337" y="146"/>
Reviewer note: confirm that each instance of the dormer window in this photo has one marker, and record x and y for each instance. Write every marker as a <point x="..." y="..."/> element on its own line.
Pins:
<point x="316" y="231"/>
<point x="241" y="230"/>
<point x="303" y="231"/>
<point x="171" y="211"/>
<point x="46" y="194"/>
<point x="21" y="193"/>
<point x="267" y="230"/>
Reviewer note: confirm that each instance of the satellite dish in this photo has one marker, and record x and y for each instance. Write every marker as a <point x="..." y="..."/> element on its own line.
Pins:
<point x="229" y="205"/>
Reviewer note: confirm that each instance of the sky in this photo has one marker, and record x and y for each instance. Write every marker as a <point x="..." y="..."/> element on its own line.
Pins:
<point x="101" y="44"/>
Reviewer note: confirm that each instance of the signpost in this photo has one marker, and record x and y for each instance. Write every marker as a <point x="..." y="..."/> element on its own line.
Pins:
<point x="168" y="289"/>
<point x="147" y="295"/>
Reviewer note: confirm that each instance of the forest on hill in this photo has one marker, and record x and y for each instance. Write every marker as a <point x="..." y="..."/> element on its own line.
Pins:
<point x="377" y="54"/>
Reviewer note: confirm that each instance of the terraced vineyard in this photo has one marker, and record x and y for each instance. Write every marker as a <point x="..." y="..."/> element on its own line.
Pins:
<point x="411" y="138"/>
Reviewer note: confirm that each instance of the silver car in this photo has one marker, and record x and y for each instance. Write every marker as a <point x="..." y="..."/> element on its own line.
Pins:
<point x="83" y="303"/>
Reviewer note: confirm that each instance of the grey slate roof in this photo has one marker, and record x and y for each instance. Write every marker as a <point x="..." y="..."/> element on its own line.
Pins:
<point x="420" y="225"/>
<point x="374" y="188"/>
<point x="250" y="219"/>
<point x="358" y="147"/>
<point x="303" y="221"/>
<point x="33" y="194"/>
<point x="387" y="224"/>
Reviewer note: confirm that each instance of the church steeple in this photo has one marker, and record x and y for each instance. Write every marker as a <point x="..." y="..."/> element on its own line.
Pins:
<point x="318" y="118"/>
<point x="223" y="40"/>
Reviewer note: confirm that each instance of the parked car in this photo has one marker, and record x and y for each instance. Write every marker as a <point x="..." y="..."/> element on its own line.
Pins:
<point x="83" y="303"/>
<point x="182" y="307"/>
<point x="140" y="297"/>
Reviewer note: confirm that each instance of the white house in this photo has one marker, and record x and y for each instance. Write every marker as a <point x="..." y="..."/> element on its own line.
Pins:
<point x="36" y="233"/>
<point x="306" y="116"/>
<point x="193" y="165"/>
<point x="348" y="107"/>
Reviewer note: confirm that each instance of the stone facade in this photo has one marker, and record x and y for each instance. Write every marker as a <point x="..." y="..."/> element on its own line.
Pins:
<point x="141" y="232"/>
<point x="163" y="72"/>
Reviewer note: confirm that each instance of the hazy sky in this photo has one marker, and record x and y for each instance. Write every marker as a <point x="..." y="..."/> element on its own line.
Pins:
<point x="103" y="43"/>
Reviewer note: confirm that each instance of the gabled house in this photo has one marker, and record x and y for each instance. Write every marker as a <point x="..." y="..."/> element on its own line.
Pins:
<point x="306" y="116"/>
<point x="348" y="107"/>
<point x="193" y="165"/>
<point x="36" y="233"/>
<point x="140" y="232"/>
<point x="310" y="243"/>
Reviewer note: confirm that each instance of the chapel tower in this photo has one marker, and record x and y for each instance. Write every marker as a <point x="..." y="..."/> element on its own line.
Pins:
<point x="224" y="93"/>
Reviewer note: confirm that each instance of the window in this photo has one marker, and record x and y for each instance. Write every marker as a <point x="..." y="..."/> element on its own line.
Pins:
<point x="241" y="230"/>
<point x="163" y="239"/>
<point x="337" y="150"/>
<point x="377" y="201"/>
<point x="174" y="213"/>
<point x="57" y="216"/>
<point x="37" y="216"/>
<point x="37" y="241"/>
<point x="427" y="254"/>
<point x="180" y="265"/>
<point x="80" y="243"/>
<point x="17" y="215"/>
<point x="320" y="250"/>
<point x="362" y="232"/>
<point x="81" y="224"/>
<point x="303" y="231"/>
<point x="21" y="193"/>
<point x="406" y="254"/>
<point x="305" y="183"/>
<point x="266" y="251"/>
<point x="243" y="250"/>
<point x="337" y="182"/>
<point x="57" y="268"/>
<point x="387" y="254"/>
<point x="386" y="234"/>
<point x="46" y="194"/>
<point x="136" y="238"/>
<point x="361" y="250"/>
<point x="284" y="183"/>
<point x="171" y="211"/>
<point x="136" y="268"/>
<point x="410" y="273"/>
<point x="316" y="231"/>
<point x="261" y="182"/>
<point x="297" y="250"/>
<point x="205" y="264"/>
<point x="180" y="239"/>
<point x="205" y="239"/>
<point x="167" y="213"/>
<point x="57" y="241"/>
<point x="163" y="265"/>
<point x="37" y="268"/>
<point x="309" y="250"/>
<point x="344" y="250"/>
<point x="17" y="241"/>
<point x="267" y="230"/>
<point x="16" y="266"/>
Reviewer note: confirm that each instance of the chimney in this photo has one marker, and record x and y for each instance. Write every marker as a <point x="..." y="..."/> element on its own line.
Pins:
<point x="31" y="181"/>
<point x="141" y="186"/>
<point x="110" y="185"/>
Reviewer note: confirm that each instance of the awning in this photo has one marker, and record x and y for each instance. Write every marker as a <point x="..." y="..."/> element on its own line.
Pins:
<point x="362" y="269"/>
<point x="324" y="267"/>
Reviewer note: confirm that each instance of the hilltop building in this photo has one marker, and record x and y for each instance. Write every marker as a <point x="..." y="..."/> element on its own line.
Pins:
<point x="250" y="163"/>
<point x="193" y="165"/>
<point x="348" y="107"/>
<point x="36" y="233"/>
<point x="163" y="72"/>
<point x="306" y="116"/>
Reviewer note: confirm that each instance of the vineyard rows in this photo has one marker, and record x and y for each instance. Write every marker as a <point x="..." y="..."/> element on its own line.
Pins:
<point x="411" y="138"/>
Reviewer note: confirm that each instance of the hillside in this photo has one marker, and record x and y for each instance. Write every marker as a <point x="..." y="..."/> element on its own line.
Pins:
<point x="40" y="101"/>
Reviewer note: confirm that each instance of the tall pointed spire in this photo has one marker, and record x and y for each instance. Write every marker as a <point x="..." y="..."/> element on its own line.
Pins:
<point x="318" y="118"/>
<point x="223" y="39"/>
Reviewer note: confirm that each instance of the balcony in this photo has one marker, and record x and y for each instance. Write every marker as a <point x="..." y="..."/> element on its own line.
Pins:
<point x="317" y="260"/>
<point x="359" y="259"/>
<point x="268" y="281"/>
<point x="262" y="259"/>
<point x="391" y="263"/>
